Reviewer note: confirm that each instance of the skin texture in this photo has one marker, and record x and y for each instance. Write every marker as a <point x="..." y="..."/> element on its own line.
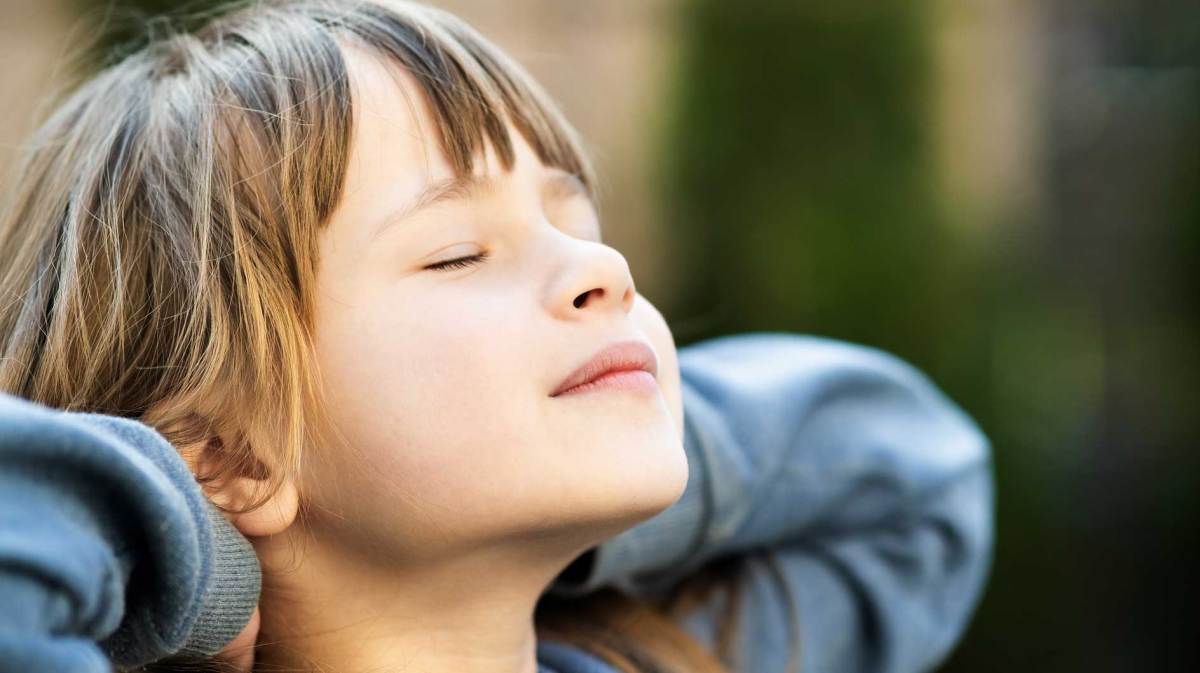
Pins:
<point x="464" y="487"/>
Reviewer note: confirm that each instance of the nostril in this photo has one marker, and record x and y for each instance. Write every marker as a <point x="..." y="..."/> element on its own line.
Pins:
<point x="581" y="299"/>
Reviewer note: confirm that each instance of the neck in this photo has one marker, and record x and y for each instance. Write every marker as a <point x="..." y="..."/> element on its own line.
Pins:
<point x="326" y="609"/>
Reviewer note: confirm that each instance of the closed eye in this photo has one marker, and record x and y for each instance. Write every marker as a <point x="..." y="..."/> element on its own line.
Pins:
<point x="460" y="263"/>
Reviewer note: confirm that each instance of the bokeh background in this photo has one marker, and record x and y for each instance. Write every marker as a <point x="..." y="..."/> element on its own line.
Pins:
<point x="1006" y="193"/>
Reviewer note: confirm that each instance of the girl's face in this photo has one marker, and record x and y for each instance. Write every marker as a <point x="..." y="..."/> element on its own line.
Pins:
<point x="441" y="379"/>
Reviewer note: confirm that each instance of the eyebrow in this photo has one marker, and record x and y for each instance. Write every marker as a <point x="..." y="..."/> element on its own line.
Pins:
<point x="560" y="185"/>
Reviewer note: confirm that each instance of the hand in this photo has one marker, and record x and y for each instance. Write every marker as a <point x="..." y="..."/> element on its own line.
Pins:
<point x="240" y="651"/>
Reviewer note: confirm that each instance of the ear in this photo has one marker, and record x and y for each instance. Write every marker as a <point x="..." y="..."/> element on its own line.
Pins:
<point x="274" y="516"/>
<point x="235" y="492"/>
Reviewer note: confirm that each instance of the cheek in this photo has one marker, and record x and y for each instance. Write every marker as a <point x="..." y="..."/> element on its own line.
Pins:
<point x="398" y="356"/>
<point x="430" y="394"/>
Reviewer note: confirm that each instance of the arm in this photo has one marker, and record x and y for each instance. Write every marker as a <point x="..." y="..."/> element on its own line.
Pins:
<point x="108" y="549"/>
<point x="861" y="496"/>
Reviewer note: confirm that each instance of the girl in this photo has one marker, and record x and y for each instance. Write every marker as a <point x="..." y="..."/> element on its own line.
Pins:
<point x="341" y="261"/>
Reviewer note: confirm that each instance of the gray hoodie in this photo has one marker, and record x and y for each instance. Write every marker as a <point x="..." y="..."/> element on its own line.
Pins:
<point x="859" y="497"/>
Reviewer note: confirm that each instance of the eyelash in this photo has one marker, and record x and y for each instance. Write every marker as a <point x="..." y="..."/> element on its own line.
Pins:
<point x="460" y="263"/>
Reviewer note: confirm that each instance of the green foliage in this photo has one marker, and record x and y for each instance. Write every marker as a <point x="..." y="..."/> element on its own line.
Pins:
<point x="800" y="192"/>
<point x="797" y="171"/>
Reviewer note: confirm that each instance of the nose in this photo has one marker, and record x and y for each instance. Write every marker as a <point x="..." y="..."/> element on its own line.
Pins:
<point x="593" y="278"/>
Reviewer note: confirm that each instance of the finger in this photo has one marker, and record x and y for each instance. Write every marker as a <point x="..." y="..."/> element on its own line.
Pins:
<point x="240" y="651"/>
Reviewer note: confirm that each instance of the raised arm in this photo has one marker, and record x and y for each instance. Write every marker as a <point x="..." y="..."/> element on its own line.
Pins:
<point x="860" y="494"/>
<point x="108" y="549"/>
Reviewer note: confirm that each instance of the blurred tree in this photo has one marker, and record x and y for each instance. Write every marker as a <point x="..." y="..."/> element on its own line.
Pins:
<point x="797" y="178"/>
<point x="797" y="170"/>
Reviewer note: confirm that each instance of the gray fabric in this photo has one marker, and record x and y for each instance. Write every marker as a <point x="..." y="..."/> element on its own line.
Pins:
<point x="233" y="592"/>
<point x="109" y="550"/>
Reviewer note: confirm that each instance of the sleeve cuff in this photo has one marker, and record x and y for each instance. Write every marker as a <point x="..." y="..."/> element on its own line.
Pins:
<point x="233" y="589"/>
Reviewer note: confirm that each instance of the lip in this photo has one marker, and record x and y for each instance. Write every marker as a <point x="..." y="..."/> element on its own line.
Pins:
<point x="620" y="356"/>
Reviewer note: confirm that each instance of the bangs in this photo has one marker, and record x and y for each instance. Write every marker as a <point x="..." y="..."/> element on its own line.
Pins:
<point x="472" y="87"/>
<point x="277" y="72"/>
<point x="282" y="83"/>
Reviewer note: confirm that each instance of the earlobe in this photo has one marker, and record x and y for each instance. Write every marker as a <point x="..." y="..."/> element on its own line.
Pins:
<point x="272" y="517"/>
<point x="236" y="493"/>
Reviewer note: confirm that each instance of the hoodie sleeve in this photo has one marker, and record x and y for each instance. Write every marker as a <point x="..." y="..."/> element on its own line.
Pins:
<point x="109" y="553"/>
<point x="859" y="496"/>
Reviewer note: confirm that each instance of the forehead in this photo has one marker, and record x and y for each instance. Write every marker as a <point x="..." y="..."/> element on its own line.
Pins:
<point x="395" y="136"/>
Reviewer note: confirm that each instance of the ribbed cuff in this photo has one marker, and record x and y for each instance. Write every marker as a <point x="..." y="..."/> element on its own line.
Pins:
<point x="233" y="590"/>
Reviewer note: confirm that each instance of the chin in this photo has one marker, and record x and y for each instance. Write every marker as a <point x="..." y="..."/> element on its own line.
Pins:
<point x="656" y="477"/>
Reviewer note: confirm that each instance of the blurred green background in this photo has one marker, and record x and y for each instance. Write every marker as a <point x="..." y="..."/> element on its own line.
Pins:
<point x="806" y="171"/>
<point x="1006" y="194"/>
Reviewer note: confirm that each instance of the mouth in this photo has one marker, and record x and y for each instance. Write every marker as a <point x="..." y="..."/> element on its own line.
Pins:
<point x="624" y="365"/>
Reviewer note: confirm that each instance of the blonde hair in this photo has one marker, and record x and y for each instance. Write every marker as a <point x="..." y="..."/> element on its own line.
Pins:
<point x="158" y="259"/>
